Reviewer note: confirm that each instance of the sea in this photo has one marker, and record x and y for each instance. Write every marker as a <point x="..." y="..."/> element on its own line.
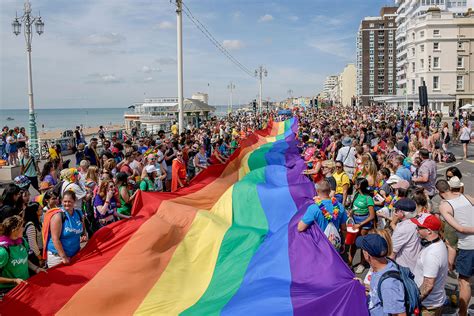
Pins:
<point x="63" y="119"/>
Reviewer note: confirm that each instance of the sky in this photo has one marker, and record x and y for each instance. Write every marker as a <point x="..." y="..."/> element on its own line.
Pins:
<point x="113" y="53"/>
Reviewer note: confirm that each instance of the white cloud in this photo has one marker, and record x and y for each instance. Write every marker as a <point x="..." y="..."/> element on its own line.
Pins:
<point x="147" y="69"/>
<point x="166" y="61"/>
<point x="148" y="79"/>
<point x="103" y="39"/>
<point x="165" y="25"/>
<point x="266" y="18"/>
<point x="335" y="46"/>
<point x="233" y="44"/>
<point x="293" y="18"/>
<point x="103" y="78"/>
<point x="333" y="21"/>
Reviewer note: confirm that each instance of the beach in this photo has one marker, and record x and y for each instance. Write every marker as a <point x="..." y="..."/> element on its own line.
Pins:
<point x="89" y="131"/>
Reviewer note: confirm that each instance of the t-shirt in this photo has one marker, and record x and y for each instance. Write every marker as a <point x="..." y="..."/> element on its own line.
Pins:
<point x="341" y="180"/>
<point x="404" y="173"/>
<point x="71" y="232"/>
<point x="30" y="163"/>
<point x="15" y="265"/>
<point x="314" y="214"/>
<point x="392" y="292"/>
<point x="428" y="167"/>
<point x="406" y="244"/>
<point x="433" y="263"/>
<point x="361" y="204"/>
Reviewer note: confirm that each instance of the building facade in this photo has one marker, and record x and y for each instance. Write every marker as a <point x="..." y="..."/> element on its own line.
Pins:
<point x="376" y="55"/>
<point x="436" y="47"/>
<point x="347" y="85"/>
<point x="329" y="91"/>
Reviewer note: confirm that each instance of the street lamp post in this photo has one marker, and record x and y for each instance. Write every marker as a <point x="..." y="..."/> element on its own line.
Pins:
<point x="260" y="73"/>
<point x="28" y="20"/>
<point x="179" y="22"/>
<point x="231" y="87"/>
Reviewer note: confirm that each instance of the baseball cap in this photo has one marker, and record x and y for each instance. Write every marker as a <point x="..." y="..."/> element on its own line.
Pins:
<point x="455" y="183"/>
<point x="427" y="220"/>
<point x="402" y="184"/>
<point x="393" y="179"/>
<point x="150" y="169"/>
<point x="374" y="244"/>
<point x="406" y="205"/>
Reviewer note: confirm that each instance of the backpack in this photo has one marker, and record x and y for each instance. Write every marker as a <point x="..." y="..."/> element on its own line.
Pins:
<point x="58" y="189"/>
<point x="449" y="157"/>
<point x="333" y="235"/>
<point x="331" y="232"/>
<point x="412" y="293"/>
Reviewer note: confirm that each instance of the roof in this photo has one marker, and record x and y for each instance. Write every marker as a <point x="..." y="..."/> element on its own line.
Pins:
<point x="193" y="105"/>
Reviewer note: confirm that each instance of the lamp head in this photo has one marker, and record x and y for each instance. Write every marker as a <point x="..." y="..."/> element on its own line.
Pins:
<point x="16" y="26"/>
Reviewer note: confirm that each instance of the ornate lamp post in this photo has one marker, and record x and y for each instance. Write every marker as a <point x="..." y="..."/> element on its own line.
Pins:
<point x="28" y="20"/>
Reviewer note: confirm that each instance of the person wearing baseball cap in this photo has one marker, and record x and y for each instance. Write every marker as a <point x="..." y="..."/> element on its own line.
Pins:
<point x="431" y="270"/>
<point x="406" y="243"/>
<point x="375" y="249"/>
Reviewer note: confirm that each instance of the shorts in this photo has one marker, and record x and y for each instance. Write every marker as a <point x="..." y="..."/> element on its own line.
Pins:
<point x="169" y="172"/>
<point x="360" y="218"/>
<point x="465" y="263"/>
<point x="464" y="141"/>
<point x="53" y="260"/>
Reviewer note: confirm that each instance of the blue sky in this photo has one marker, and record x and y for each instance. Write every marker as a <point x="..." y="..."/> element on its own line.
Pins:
<point x="112" y="53"/>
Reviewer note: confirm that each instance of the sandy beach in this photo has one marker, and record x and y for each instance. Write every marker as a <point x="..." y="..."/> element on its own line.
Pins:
<point x="89" y="131"/>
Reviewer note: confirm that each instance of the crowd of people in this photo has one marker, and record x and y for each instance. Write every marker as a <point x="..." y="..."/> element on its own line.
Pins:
<point x="38" y="232"/>
<point x="375" y="176"/>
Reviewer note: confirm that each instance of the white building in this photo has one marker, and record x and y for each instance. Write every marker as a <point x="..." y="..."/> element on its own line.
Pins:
<point x="328" y="92"/>
<point x="203" y="97"/>
<point x="435" y="45"/>
<point x="347" y="85"/>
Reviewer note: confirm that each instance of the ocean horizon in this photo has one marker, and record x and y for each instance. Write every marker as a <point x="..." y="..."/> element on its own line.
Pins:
<point x="67" y="118"/>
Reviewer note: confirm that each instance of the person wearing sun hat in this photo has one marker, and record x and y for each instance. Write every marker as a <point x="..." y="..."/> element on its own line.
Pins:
<point x="347" y="154"/>
<point x="431" y="270"/>
<point x="375" y="249"/>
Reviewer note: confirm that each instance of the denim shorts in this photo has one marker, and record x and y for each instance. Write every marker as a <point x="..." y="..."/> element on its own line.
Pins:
<point x="465" y="262"/>
<point x="360" y="218"/>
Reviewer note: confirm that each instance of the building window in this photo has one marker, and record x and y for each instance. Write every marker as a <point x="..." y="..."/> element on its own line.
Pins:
<point x="436" y="33"/>
<point x="413" y="67"/>
<point x="435" y="62"/>
<point x="435" y="83"/>
<point x="413" y="84"/>
<point x="459" y="45"/>
<point x="422" y="63"/>
<point x="371" y="25"/>
<point x="459" y="83"/>
<point x="413" y="51"/>
<point x="422" y="34"/>
<point x="460" y="62"/>
<point x="436" y="46"/>
<point x="422" y="48"/>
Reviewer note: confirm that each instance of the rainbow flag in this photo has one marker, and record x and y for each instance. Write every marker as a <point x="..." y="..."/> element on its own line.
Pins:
<point x="226" y="245"/>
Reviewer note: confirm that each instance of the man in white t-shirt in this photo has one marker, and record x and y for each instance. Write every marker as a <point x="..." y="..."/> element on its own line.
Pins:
<point x="406" y="243"/>
<point x="431" y="270"/>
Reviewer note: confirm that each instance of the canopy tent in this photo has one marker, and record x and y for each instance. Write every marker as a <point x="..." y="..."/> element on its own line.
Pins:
<point x="467" y="107"/>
